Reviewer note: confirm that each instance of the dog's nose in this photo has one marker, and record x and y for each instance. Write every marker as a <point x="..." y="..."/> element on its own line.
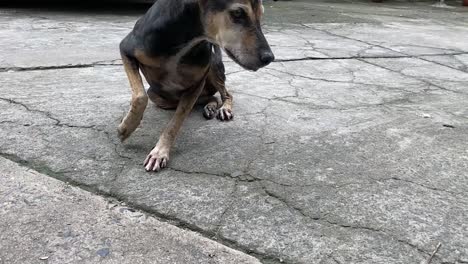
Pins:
<point x="266" y="57"/>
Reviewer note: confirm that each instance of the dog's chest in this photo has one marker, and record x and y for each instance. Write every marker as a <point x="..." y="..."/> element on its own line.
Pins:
<point x="181" y="71"/>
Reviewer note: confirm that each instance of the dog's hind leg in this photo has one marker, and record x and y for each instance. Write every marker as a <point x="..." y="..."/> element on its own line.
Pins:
<point x="139" y="98"/>
<point x="211" y="106"/>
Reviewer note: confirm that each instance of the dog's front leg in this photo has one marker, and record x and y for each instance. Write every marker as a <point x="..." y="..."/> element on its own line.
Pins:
<point x="139" y="98"/>
<point x="225" y="111"/>
<point x="159" y="156"/>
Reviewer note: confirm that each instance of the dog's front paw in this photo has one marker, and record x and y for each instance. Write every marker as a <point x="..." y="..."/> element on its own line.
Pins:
<point x="128" y="125"/>
<point x="209" y="111"/>
<point x="122" y="132"/>
<point x="224" y="114"/>
<point x="156" y="160"/>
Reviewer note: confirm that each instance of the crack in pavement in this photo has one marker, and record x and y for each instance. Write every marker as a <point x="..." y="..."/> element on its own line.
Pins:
<point x="412" y="77"/>
<point x="464" y="69"/>
<point x="393" y="102"/>
<point x="59" y="123"/>
<point x="311" y="58"/>
<point x="419" y="184"/>
<point x="228" y="207"/>
<point x="44" y="113"/>
<point x="308" y="43"/>
<point x="458" y="261"/>
<point x="240" y="177"/>
<point x="58" y="67"/>
<point x="244" y="177"/>
<point x="334" y="259"/>
<point x="346" y="226"/>
<point x="44" y="169"/>
<point x="249" y="178"/>
<point x="403" y="55"/>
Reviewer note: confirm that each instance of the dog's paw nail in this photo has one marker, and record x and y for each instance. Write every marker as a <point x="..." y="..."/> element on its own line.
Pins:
<point x="224" y="114"/>
<point x="155" y="161"/>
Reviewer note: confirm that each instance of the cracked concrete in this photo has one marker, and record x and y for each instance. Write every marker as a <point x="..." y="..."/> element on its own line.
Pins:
<point x="350" y="148"/>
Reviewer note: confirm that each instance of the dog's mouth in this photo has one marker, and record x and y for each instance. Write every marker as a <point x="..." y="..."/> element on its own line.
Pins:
<point x="234" y="58"/>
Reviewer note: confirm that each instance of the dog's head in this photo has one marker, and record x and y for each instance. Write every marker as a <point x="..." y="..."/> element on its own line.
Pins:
<point x="235" y="26"/>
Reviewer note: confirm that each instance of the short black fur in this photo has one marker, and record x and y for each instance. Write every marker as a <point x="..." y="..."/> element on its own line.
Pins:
<point x="163" y="30"/>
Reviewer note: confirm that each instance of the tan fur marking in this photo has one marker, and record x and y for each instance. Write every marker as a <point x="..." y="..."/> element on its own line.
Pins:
<point x="226" y="97"/>
<point x="214" y="24"/>
<point x="248" y="41"/>
<point x="144" y="59"/>
<point x="139" y="100"/>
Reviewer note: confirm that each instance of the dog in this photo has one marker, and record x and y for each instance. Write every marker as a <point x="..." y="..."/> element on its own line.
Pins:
<point x="177" y="46"/>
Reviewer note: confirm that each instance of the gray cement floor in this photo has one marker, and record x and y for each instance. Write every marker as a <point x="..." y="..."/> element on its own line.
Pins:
<point x="45" y="220"/>
<point x="350" y="148"/>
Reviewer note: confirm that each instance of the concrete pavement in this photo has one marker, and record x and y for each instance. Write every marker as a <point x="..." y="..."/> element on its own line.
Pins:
<point x="351" y="148"/>
<point x="45" y="220"/>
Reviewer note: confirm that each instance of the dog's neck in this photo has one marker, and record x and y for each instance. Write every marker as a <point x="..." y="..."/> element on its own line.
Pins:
<point x="208" y="33"/>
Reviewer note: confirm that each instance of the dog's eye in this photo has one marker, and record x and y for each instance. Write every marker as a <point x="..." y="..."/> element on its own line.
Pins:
<point x="237" y="13"/>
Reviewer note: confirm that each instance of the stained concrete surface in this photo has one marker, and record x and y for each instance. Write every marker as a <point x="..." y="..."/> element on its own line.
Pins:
<point x="350" y="148"/>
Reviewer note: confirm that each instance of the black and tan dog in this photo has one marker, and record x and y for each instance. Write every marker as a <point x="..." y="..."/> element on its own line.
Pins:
<point x="176" y="45"/>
